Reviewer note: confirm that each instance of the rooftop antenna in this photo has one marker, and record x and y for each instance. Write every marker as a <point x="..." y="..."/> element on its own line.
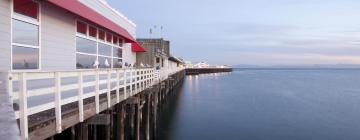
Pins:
<point x="155" y="31"/>
<point x="151" y="31"/>
<point x="161" y="29"/>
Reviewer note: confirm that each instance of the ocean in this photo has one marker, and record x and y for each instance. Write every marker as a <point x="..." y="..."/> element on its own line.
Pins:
<point x="265" y="104"/>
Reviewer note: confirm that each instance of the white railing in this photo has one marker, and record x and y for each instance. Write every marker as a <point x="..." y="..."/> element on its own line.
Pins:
<point x="35" y="92"/>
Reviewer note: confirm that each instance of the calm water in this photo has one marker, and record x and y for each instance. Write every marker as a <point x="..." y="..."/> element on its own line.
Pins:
<point x="266" y="105"/>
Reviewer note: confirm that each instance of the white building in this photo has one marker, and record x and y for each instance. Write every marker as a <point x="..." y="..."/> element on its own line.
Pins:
<point x="75" y="49"/>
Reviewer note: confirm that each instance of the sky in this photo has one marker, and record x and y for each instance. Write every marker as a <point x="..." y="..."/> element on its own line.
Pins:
<point x="255" y="32"/>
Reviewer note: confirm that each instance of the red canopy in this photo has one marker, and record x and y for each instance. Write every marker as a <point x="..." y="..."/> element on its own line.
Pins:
<point x="135" y="47"/>
<point x="82" y="10"/>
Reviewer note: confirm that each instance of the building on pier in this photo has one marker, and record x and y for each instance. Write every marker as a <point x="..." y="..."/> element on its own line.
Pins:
<point x="61" y="55"/>
<point x="157" y="52"/>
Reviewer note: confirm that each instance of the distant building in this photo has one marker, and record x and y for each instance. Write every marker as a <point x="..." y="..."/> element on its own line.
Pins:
<point x="156" y="55"/>
<point x="201" y="65"/>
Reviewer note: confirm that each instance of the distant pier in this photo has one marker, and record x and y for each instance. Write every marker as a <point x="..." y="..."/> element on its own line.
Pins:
<point x="195" y="71"/>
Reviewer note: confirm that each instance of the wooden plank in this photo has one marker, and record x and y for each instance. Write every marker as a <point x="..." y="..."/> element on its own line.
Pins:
<point x="99" y="119"/>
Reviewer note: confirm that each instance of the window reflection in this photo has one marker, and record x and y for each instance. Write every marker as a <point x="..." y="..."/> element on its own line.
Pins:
<point x="85" y="61"/>
<point x="85" y="45"/>
<point x="25" y="33"/>
<point x="104" y="62"/>
<point x="117" y="63"/>
<point x="117" y="52"/>
<point x="25" y="58"/>
<point x="104" y="49"/>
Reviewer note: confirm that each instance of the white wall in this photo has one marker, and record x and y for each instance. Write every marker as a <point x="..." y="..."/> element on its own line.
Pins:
<point x="5" y="38"/>
<point x="58" y="39"/>
<point x="128" y="55"/>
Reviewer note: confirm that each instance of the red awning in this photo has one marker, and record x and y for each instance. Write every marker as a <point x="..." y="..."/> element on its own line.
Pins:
<point x="82" y="10"/>
<point x="135" y="47"/>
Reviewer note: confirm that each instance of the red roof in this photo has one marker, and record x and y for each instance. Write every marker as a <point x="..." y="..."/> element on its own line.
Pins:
<point x="82" y="10"/>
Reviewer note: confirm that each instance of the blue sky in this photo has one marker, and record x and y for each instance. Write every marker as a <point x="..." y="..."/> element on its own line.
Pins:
<point x="260" y="32"/>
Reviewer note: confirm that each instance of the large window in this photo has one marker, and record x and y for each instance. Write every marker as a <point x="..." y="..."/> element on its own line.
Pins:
<point x="25" y="35"/>
<point x="97" y="48"/>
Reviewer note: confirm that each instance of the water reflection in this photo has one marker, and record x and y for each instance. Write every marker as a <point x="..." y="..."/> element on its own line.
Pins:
<point x="266" y="105"/>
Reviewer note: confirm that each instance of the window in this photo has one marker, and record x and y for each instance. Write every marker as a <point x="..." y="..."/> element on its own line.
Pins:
<point x="101" y="35"/>
<point x="91" y="52"/>
<point x="157" y="60"/>
<point x="108" y="37"/>
<point x="117" y="52"/>
<point x="115" y="40"/>
<point x="27" y="8"/>
<point x="25" y="58"/>
<point x="85" y="61"/>
<point x="121" y="42"/>
<point x="81" y="27"/>
<point x="104" y="49"/>
<point x="85" y="45"/>
<point x="92" y="31"/>
<point x="25" y="35"/>
<point x="117" y="63"/>
<point x="104" y="62"/>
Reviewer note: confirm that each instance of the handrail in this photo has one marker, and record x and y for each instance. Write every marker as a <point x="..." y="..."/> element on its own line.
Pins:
<point x="27" y="89"/>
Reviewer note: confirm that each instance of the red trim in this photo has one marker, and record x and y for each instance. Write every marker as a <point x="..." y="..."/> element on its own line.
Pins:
<point x="82" y="10"/>
<point x="136" y="47"/>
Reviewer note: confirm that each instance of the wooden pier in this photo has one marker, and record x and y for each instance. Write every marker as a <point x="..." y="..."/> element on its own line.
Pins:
<point x="132" y="119"/>
<point x="121" y="105"/>
<point x="195" y="71"/>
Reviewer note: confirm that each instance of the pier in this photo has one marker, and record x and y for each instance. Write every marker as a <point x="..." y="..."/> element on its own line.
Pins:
<point x="195" y="71"/>
<point x="48" y="105"/>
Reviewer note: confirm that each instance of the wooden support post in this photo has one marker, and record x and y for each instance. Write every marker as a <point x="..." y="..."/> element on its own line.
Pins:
<point x="138" y="120"/>
<point x="23" y="106"/>
<point x="108" y="127"/>
<point x="85" y="131"/>
<point x="58" y="102"/>
<point x="148" y="107"/>
<point x="122" y="122"/>
<point x="132" y="120"/>
<point x="97" y="92"/>
<point x="80" y="97"/>
<point x="73" y="134"/>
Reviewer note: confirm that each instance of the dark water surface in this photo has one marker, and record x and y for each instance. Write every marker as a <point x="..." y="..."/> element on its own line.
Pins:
<point x="265" y="105"/>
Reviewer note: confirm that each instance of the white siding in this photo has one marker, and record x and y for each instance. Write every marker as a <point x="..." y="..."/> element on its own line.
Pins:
<point x="58" y="41"/>
<point x="5" y="38"/>
<point x="128" y="55"/>
<point x="105" y="10"/>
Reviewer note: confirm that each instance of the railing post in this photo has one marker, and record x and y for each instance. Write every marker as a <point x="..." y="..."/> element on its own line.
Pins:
<point x="131" y="81"/>
<point x="108" y="82"/>
<point x="80" y="97"/>
<point x="10" y="88"/>
<point x="125" y="84"/>
<point x="58" y="101"/>
<point x="117" y="86"/>
<point x="23" y="106"/>
<point x="97" y="92"/>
